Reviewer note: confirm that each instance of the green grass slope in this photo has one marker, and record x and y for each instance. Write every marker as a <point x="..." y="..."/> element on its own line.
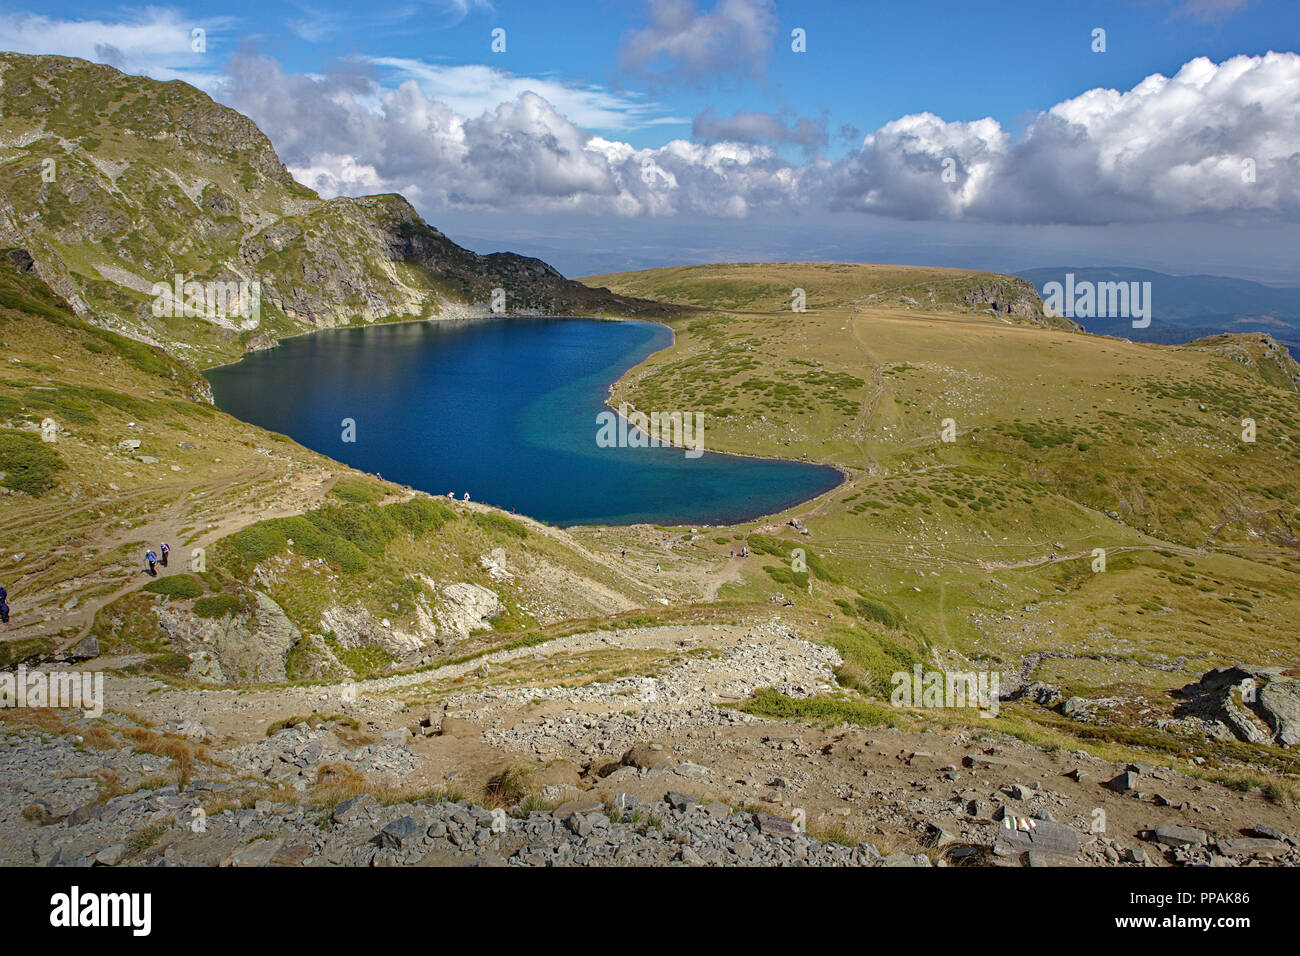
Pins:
<point x="107" y="447"/>
<point x="982" y="551"/>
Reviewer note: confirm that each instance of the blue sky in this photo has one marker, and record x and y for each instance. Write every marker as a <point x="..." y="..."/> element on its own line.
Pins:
<point x="622" y="133"/>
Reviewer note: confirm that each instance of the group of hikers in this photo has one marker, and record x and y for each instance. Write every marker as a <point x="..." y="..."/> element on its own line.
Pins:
<point x="744" y="553"/>
<point x="152" y="558"/>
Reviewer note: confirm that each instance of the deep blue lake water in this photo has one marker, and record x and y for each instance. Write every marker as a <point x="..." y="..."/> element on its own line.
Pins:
<point x="503" y="409"/>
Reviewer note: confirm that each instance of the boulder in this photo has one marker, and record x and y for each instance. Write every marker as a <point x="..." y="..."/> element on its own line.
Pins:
<point x="649" y="756"/>
<point x="1255" y="703"/>
<point x="1076" y="708"/>
<point x="1266" y="832"/>
<point x="936" y="836"/>
<point x="770" y="825"/>
<point x="1251" y="846"/>
<point x="85" y="649"/>
<point x="293" y="855"/>
<point x="1123" y="783"/>
<point x="566" y="810"/>
<point x="351" y="808"/>
<point x="1173" y="834"/>
<point x="110" y="855"/>
<point x="402" y="832"/>
<point x="680" y="801"/>
<point x="257" y="853"/>
<point x="1046" y="836"/>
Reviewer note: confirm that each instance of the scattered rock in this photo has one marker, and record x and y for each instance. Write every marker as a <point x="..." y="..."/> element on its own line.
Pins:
<point x="402" y="832"/>
<point x="1172" y="834"/>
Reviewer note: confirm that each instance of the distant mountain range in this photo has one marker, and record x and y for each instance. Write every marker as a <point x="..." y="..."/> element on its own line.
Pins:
<point x="1184" y="308"/>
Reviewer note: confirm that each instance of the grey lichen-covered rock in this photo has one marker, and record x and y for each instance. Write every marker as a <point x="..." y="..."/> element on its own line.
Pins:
<point x="1046" y="836"/>
<point x="1045" y="695"/>
<point x="494" y="563"/>
<point x="401" y="832"/>
<point x="85" y="649"/>
<point x="1279" y="699"/>
<point x="1076" y="708"/>
<point x="357" y="627"/>
<point x="1243" y="724"/>
<point x="466" y="608"/>
<point x="1173" y="834"/>
<point x="1017" y="298"/>
<point x="257" y="853"/>
<point x="1255" y="703"/>
<point x="248" y="645"/>
<point x="1123" y="783"/>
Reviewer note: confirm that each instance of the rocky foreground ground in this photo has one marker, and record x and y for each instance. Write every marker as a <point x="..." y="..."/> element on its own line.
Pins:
<point x="499" y="762"/>
<point x="52" y="814"/>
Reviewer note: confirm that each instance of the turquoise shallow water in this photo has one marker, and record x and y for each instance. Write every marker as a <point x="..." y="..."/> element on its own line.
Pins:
<point x="505" y="410"/>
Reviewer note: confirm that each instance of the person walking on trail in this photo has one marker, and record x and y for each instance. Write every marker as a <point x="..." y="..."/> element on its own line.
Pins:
<point x="164" y="550"/>
<point x="153" y="562"/>
<point x="4" y="605"/>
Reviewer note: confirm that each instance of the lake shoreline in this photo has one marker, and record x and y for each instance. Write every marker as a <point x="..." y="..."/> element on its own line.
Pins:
<point x="618" y="374"/>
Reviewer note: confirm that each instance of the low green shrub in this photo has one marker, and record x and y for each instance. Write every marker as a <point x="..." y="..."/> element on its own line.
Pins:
<point x="179" y="586"/>
<point x="29" y="464"/>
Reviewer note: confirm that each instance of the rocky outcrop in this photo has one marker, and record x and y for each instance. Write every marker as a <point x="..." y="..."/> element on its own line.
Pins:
<point x="461" y="609"/>
<point x="356" y="627"/>
<point x="154" y="162"/>
<point x="1279" y="700"/>
<point x="313" y="659"/>
<point x="494" y="563"/>
<point x="1258" y="351"/>
<point x="467" y="608"/>
<point x="248" y="646"/>
<point x="1250" y="702"/>
<point x="1006" y="295"/>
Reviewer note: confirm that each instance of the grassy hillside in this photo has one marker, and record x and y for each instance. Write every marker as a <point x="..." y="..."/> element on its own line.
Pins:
<point x="136" y="458"/>
<point x="981" y="551"/>
<point x="115" y="183"/>
<point x="769" y="287"/>
<point x="961" y="555"/>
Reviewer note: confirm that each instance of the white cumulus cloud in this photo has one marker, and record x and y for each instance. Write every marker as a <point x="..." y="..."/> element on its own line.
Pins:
<point x="155" y="42"/>
<point x="345" y="134"/>
<point x="1212" y="139"/>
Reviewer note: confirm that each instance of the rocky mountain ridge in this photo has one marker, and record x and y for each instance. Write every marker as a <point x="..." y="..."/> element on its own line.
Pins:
<point x="118" y="184"/>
